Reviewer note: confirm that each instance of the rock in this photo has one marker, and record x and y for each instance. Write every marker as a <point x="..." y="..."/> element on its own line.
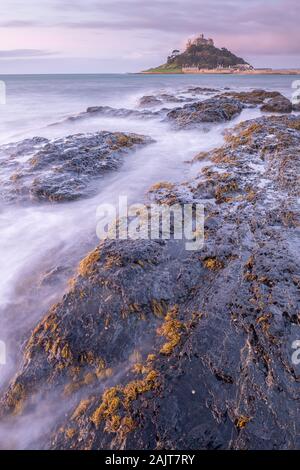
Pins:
<point x="149" y="101"/>
<point x="65" y="169"/>
<point x="152" y="101"/>
<point x="23" y="148"/>
<point x="254" y="97"/>
<point x="167" y="98"/>
<point x="296" y="107"/>
<point x="198" y="90"/>
<point x="156" y="347"/>
<point x="271" y="101"/>
<point x="53" y="276"/>
<point x="124" y="113"/>
<point x="107" y="111"/>
<point x="279" y="104"/>
<point x="212" y="110"/>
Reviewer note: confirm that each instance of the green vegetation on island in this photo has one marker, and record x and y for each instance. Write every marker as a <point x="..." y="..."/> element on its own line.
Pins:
<point x="165" y="68"/>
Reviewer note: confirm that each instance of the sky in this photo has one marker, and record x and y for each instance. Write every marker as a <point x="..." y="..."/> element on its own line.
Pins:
<point x="98" y="36"/>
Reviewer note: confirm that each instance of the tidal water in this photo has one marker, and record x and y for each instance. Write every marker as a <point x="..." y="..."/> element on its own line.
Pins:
<point x="38" y="238"/>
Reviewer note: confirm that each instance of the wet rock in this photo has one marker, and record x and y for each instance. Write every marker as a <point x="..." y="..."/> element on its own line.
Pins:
<point x="152" y="101"/>
<point x="54" y="275"/>
<point x="20" y="149"/>
<point x="271" y="101"/>
<point x="296" y="107"/>
<point x="66" y="169"/>
<point x="157" y="347"/>
<point x="212" y="110"/>
<point x="167" y="98"/>
<point x="279" y="104"/>
<point x="107" y="111"/>
<point x="200" y="90"/>
<point x="149" y="101"/>
<point x="254" y="97"/>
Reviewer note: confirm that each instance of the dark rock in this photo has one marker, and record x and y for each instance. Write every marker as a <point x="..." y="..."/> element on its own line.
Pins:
<point x="149" y="101"/>
<point x="279" y="104"/>
<point x="271" y="101"/>
<point x="23" y="148"/>
<point x="198" y="90"/>
<point x="296" y="107"/>
<point x="152" y="101"/>
<point x="107" y="111"/>
<point x="65" y="169"/>
<point x="213" y="110"/>
<point x="167" y="98"/>
<point x="155" y="347"/>
<point x="54" y="275"/>
<point x="254" y="97"/>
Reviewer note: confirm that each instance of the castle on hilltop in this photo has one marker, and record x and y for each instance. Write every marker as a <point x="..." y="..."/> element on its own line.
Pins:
<point x="202" y="56"/>
<point x="200" y="41"/>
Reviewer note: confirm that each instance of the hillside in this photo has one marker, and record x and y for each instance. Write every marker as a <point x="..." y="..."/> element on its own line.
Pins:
<point x="201" y="53"/>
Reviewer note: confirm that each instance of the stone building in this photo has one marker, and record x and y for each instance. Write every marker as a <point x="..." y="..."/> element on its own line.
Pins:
<point x="200" y="41"/>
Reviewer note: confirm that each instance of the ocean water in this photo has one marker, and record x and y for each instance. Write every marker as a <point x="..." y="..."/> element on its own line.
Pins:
<point x="41" y="237"/>
<point x="37" y="100"/>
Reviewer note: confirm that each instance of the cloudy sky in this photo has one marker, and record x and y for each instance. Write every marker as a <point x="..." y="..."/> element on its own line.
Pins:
<point x="79" y="36"/>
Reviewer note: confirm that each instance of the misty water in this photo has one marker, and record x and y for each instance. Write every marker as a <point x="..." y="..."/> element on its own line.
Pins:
<point x="38" y="238"/>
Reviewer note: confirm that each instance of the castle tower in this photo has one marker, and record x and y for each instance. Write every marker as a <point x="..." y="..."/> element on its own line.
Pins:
<point x="200" y="41"/>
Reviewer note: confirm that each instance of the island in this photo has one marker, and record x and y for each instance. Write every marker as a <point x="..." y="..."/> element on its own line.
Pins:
<point x="201" y="56"/>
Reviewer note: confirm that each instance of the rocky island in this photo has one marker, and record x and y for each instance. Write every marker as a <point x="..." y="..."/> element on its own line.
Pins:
<point x="202" y="56"/>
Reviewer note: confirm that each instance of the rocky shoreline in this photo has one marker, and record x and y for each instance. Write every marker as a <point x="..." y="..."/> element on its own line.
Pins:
<point x="64" y="169"/>
<point x="155" y="347"/>
<point x="224" y="72"/>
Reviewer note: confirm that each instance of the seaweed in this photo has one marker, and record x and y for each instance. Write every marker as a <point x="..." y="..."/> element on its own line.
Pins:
<point x="213" y="264"/>
<point x="171" y="330"/>
<point x="88" y="265"/>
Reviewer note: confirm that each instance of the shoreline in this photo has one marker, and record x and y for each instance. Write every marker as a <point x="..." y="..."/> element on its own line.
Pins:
<point x="226" y="72"/>
<point x="120" y="314"/>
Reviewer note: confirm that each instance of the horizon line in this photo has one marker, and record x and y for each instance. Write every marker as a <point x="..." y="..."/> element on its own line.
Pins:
<point x="131" y="73"/>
